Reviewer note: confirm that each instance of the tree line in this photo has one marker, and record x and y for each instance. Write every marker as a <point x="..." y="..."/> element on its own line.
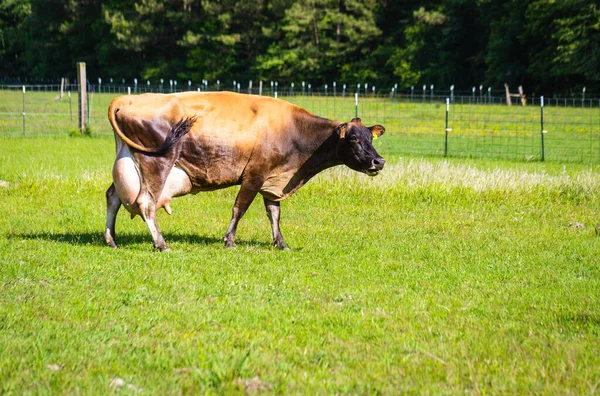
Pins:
<point x="550" y="47"/>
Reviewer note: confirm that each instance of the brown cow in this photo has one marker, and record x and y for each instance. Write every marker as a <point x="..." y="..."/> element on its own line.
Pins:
<point x="173" y="145"/>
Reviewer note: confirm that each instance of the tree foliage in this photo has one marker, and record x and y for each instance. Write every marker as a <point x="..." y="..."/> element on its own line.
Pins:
<point x="550" y="47"/>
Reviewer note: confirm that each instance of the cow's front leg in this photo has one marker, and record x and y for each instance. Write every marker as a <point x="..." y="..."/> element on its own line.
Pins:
<point x="113" y="204"/>
<point x="273" y="212"/>
<point x="242" y="203"/>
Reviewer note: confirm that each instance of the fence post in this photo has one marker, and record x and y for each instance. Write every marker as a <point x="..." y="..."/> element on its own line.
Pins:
<point x="70" y="106"/>
<point x="89" y="106"/>
<point x="356" y="103"/>
<point x="62" y="88"/>
<point x="82" y="98"/>
<point x="24" y="110"/>
<point x="543" y="131"/>
<point x="447" y="129"/>
<point x="334" y="95"/>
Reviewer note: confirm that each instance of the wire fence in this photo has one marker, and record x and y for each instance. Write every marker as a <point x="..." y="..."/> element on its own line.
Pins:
<point x="472" y="125"/>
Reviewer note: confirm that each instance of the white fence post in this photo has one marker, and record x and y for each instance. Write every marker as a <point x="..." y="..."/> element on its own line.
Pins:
<point x="82" y="98"/>
<point x="24" y="110"/>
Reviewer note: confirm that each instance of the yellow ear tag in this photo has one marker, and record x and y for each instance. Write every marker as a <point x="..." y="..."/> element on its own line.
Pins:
<point x="375" y="136"/>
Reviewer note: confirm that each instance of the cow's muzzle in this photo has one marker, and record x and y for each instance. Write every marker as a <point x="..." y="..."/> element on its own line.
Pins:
<point x="376" y="165"/>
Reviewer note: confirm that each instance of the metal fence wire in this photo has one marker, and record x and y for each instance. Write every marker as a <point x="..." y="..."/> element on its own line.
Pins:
<point x="565" y="130"/>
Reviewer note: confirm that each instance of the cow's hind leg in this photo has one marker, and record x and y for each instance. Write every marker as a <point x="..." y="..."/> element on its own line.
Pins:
<point x="243" y="200"/>
<point x="154" y="172"/>
<point x="113" y="204"/>
<point x="273" y="212"/>
<point x="147" y="207"/>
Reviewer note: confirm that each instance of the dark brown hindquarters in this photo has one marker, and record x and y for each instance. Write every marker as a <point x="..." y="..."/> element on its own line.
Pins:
<point x="154" y="166"/>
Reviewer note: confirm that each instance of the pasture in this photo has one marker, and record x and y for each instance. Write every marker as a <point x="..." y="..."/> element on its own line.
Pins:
<point x="487" y="129"/>
<point x="438" y="276"/>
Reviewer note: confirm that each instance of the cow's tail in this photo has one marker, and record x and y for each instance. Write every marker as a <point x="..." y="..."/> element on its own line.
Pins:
<point x="176" y="132"/>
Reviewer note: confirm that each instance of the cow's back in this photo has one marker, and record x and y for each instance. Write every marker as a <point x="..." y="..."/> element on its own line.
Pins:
<point x="237" y="117"/>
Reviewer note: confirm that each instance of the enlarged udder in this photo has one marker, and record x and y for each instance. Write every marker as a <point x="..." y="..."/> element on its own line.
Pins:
<point x="127" y="180"/>
<point x="178" y="183"/>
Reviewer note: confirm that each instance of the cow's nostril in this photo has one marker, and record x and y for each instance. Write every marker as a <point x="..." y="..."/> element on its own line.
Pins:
<point x="378" y="163"/>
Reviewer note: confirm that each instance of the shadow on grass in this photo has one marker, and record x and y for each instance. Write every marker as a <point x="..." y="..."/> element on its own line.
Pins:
<point x="123" y="240"/>
<point x="580" y="319"/>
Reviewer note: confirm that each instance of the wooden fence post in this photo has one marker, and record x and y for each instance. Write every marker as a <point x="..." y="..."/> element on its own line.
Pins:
<point x="82" y="96"/>
<point x="62" y="88"/>
<point x="522" y="95"/>
<point x="508" y="101"/>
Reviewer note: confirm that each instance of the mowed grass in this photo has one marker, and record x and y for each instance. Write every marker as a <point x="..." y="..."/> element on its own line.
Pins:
<point x="438" y="276"/>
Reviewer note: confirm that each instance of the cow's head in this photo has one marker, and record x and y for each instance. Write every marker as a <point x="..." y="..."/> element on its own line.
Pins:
<point x="355" y="147"/>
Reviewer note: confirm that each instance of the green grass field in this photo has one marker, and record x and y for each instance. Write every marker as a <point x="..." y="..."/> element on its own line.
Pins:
<point x="438" y="276"/>
<point x="488" y="131"/>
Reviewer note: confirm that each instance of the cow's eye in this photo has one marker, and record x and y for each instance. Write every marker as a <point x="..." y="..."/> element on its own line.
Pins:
<point x="353" y="139"/>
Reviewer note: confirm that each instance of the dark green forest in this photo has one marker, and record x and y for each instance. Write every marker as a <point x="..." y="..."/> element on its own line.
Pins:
<point x="550" y="47"/>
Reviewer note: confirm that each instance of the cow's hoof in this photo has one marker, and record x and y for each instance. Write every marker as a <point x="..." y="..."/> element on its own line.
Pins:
<point x="110" y="241"/>
<point x="229" y="245"/>
<point x="280" y="244"/>
<point x="283" y="247"/>
<point x="165" y="248"/>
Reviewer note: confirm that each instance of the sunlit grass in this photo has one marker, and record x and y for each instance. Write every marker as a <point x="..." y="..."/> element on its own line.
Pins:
<point x="438" y="276"/>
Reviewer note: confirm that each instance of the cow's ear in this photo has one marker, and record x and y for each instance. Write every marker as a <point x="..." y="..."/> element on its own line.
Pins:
<point x="377" y="130"/>
<point x="341" y="130"/>
<point x="357" y="120"/>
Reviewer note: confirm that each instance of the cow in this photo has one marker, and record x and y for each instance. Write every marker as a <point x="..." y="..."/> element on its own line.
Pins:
<point x="169" y="145"/>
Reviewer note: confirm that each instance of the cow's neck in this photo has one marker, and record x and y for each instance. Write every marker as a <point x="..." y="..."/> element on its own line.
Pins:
<point x="319" y="159"/>
<point x="325" y="156"/>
